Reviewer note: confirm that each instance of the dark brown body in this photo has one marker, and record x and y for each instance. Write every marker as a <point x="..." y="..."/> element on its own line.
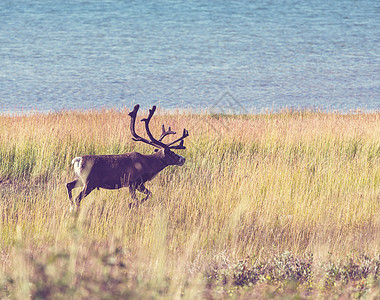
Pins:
<point x="117" y="171"/>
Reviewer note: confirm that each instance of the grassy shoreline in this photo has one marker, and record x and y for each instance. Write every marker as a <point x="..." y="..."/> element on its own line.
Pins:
<point x="265" y="205"/>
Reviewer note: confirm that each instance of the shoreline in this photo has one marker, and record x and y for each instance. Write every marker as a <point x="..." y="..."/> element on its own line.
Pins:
<point x="195" y="111"/>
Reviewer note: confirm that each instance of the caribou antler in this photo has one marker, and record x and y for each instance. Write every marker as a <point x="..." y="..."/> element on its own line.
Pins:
<point x="136" y="137"/>
<point x="165" y="133"/>
<point x="154" y="142"/>
<point x="185" y="134"/>
<point x="147" y="120"/>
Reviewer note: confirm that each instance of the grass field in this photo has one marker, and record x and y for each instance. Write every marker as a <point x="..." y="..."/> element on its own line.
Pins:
<point x="266" y="206"/>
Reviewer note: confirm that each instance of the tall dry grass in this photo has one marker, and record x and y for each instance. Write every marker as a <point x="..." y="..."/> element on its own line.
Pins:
<point x="253" y="186"/>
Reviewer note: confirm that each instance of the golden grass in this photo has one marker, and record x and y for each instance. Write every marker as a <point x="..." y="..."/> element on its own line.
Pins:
<point x="252" y="186"/>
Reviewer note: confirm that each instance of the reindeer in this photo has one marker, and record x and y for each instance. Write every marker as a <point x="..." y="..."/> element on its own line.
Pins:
<point x="126" y="170"/>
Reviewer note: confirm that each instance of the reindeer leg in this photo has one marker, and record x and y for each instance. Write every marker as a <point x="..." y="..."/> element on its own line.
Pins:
<point x="132" y="191"/>
<point x="84" y="192"/>
<point x="70" y="186"/>
<point x="141" y="188"/>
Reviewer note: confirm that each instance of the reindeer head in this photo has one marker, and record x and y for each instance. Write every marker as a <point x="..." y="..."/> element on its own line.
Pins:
<point x="164" y="150"/>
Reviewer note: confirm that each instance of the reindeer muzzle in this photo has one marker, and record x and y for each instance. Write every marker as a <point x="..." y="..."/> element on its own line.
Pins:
<point x="181" y="160"/>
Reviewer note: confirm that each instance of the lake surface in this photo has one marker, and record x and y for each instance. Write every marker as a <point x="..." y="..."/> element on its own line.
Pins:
<point x="239" y="55"/>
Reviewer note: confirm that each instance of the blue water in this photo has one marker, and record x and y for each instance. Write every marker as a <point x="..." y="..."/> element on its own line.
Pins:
<point x="250" y="55"/>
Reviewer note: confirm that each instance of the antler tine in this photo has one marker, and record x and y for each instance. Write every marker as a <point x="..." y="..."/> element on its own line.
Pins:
<point x="136" y="137"/>
<point x="165" y="133"/>
<point x="180" y="146"/>
<point x="153" y="140"/>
